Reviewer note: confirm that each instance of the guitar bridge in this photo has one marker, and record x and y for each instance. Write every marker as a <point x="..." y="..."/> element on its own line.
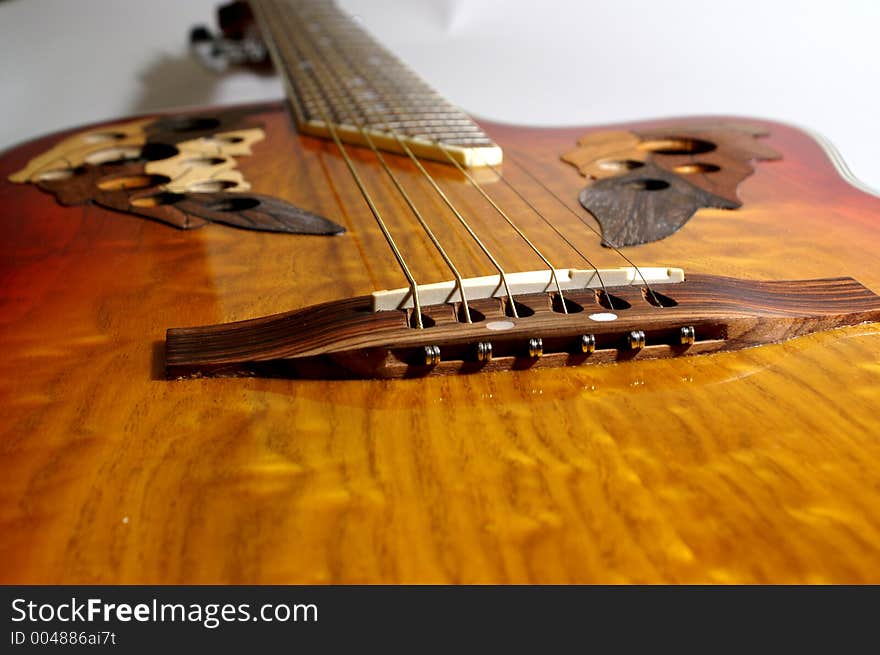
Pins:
<point x="348" y="339"/>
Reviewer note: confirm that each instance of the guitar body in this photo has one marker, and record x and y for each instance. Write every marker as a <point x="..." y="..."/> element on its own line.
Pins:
<point x="760" y="465"/>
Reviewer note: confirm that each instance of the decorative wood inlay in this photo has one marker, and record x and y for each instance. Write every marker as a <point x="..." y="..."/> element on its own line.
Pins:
<point x="346" y="339"/>
<point x="645" y="185"/>
<point x="208" y="163"/>
<point x="757" y="466"/>
<point x="115" y="141"/>
<point x="180" y="170"/>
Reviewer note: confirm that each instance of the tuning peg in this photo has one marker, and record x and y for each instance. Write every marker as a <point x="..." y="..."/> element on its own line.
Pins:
<point x="218" y="53"/>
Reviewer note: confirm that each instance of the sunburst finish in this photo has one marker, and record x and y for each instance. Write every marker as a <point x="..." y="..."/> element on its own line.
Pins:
<point x="753" y="466"/>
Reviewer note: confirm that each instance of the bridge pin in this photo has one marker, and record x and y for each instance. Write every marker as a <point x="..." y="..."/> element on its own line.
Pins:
<point x="432" y="355"/>
<point x="588" y="343"/>
<point x="637" y="339"/>
<point x="688" y="335"/>
<point x="536" y="347"/>
<point x="484" y="351"/>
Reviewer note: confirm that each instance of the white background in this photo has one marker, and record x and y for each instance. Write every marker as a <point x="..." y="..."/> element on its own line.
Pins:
<point x="812" y="63"/>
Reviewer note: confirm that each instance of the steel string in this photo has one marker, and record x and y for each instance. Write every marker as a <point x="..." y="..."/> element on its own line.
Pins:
<point x="413" y="285"/>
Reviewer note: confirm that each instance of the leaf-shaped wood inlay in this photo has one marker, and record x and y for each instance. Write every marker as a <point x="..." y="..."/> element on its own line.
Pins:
<point x="180" y="170"/>
<point x="644" y="185"/>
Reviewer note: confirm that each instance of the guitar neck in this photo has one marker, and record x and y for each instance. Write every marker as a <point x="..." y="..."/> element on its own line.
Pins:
<point x="339" y="79"/>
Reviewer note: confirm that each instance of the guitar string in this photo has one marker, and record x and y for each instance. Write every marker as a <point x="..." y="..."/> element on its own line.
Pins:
<point x="435" y="241"/>
<point x="462" y="220"/>
<point x="368" y="112"/>
<point x="459" y="281"/>
<point x="417" y="310"/>
<point x="583" y="220"/>
<point x="355" y="68"/>
<point x="444" y="197"/>
<point x="437" y="188"/>
<point x="500" y="211"/>
<point x="549" y="223"/>
<point x="359" y="125"/>
<point x="446" y="152"/>
<point x="611" y="245"/>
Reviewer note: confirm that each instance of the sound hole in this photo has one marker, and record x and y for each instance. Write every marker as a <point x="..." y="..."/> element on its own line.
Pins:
<point x="224" y="140"/>
<point x="98" y="137"/>
<point x="618" y="165"/>
<point x="158" y="151"/>
<point x="236" y="204"/>
<point x="678" y="146"/>
<point x="158" y="199"/>
<point x="696" y="167"/>
<point x="204" y="161"/>
<point x="609" y="301"/>
<point x="192" y="124"/>
<point x="211" y="186"/>
<point x="648" y="184"/>
<point x="57" y="174"/>
<point x="128" y="182"/>
<point x="113" y="155"/>
<point x="657" y="299"/>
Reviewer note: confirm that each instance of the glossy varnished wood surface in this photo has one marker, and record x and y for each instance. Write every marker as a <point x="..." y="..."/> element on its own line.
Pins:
<point x="756" y="466"/>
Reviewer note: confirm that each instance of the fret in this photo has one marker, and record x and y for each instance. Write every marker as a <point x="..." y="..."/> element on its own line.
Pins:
<point x="334" y="69"/>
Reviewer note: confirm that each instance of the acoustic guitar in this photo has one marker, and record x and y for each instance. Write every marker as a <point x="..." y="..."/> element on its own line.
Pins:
<point x="356" y="337"/>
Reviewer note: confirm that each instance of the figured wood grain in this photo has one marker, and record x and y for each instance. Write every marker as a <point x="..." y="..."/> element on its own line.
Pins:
<point x="753" y="466"/>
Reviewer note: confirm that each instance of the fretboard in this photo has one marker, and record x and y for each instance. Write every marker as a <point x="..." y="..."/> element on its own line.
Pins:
<point x="336" y="73"/>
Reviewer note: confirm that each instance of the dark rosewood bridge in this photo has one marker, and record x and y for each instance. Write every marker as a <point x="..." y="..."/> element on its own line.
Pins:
<point x="348" y="338"/>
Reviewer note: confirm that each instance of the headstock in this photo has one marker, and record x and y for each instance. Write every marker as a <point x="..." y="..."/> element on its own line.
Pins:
<point x="239" y="42"/>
